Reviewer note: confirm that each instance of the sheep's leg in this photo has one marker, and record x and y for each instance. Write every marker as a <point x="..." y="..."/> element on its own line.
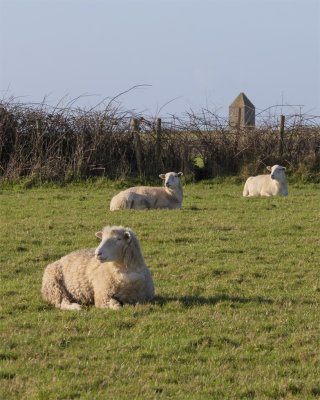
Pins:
<point x="108" y="303"/>
<point x="114" y="304"/>
<point x="245" y="191"/>
<point x="66" y="305"/>
<point x="53" y="289"/>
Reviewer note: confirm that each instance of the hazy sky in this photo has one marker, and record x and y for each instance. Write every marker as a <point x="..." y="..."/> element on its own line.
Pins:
<point x="202" y="52"/>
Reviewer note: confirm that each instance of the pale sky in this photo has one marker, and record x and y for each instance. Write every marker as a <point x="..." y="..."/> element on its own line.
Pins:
<point x="200" y="53"/>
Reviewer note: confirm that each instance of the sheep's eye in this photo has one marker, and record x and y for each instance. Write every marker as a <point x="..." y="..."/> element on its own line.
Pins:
<point x="119" y="239"/>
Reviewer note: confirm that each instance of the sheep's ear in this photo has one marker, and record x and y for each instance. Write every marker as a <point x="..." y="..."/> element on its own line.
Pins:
<point x="269" y="168"/>
<point x="180" y="174"/>
<point x="127" y="235"/>
<point x="283" y="168"/>
<point x="99" y="235"/>
<point x="162" y="176"/>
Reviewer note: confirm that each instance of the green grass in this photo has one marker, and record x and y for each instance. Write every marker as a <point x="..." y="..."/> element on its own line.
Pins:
<point x="236" y="313"/>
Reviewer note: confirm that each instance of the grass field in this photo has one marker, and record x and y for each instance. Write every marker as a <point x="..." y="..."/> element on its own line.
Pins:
<point x="236" y="313"/>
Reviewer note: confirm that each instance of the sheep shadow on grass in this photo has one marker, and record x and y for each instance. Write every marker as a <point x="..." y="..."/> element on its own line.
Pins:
<point x="191" y="301"/>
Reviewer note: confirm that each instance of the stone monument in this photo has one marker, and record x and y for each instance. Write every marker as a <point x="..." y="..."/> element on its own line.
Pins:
<point x="241" y="112"/>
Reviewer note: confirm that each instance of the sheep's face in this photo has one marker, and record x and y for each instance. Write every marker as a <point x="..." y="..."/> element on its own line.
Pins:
<point x="113" y="243"/>
<point x="277" y="172"/>
<point x="171" y="179"/>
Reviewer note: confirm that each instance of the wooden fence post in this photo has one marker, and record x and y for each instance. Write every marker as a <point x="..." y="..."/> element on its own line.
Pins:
<point x="37" y="149"/>
<point x="137" y="144"/>
<point x="38" y="127"/>
<point x="281" y="132"/>
<point x="158" y="143"/>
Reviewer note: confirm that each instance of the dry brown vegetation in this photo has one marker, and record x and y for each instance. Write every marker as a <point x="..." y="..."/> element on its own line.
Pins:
<point x="65" y="143"/>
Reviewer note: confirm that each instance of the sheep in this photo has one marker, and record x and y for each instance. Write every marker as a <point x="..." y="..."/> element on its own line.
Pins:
<point x="141" y="197"/>
<point x="112" y="274"/>
<point x="274" y="184"/>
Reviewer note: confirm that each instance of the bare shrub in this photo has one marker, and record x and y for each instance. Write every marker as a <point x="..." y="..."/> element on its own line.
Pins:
<point x="55" y="143"/>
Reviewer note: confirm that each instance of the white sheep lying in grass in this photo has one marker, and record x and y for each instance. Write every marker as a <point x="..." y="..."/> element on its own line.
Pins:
<point x="274" y="184"/>
<point x="141" y="197"/>
<point x="112" y="274"/>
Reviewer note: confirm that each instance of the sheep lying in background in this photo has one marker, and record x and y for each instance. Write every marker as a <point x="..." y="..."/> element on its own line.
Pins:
<point x="274" y="184"/>
<point x="141" y="197"/>
<point x="108" y="276"/>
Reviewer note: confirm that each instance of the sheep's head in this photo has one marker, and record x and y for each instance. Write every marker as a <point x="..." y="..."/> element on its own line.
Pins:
<point x="114" y="240"/>
<point x="277" y="172"/>
<point x="171" y="179"/>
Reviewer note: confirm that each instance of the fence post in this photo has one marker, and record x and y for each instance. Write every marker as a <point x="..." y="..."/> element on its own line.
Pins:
<point x="281" y="132"/>
<point x="158" y="143"/>
<point x="137" y="144"/>
<point x="37" y="150"/>
<point x="38" y="127"/>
